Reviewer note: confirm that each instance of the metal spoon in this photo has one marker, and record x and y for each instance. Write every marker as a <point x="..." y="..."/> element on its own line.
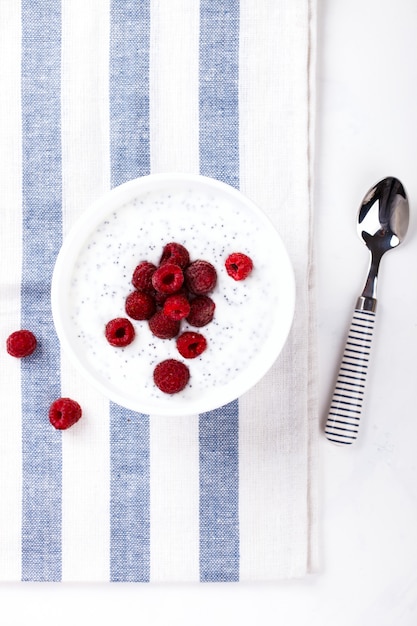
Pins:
<point x="382" y="224"/>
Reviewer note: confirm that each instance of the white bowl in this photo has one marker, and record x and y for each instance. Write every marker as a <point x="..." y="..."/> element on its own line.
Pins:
<point x="132" y="223"/>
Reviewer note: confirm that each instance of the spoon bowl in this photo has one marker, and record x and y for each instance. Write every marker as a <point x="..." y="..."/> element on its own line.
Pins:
<point x="382" y="223"/>
<point x="383" y="220"/>
<point x="384" y="214"/>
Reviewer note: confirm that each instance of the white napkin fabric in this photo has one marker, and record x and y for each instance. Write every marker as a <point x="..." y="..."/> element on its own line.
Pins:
<point x="95" y="93"/>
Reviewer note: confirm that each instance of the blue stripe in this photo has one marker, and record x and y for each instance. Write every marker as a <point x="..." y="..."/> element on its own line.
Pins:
<point x="129" y="529"/>
<point x="42" y="233"/>
<point x="219" y="158"/>
<point x="219" y="96"/>
<point x="219" y="495"/>
<point x="130" y="158"/>
<point x="129" y="90"/>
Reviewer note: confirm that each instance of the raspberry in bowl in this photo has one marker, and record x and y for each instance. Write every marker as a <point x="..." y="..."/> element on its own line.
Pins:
<point x="169" y="236"/>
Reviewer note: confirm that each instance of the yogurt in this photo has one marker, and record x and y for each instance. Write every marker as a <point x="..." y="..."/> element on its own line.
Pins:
<point x="211" y="221"/>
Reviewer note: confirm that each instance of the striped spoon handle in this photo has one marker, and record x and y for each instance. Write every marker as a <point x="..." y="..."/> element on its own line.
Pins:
<point x="346" y="406"/>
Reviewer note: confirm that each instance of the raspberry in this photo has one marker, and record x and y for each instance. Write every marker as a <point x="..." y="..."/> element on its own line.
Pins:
<point x="191" y="344"/>
<point x="162" y="326"/>
<point x="119" y="332"/>
<point x="171" y="376"/>
<point x="21" y="343"/>
<point x="175" y="253"/>
<point x="160" y="298"/>
<point x="176" y="307"/>
<point x="200" y="277"/>
<point x="140" y="305"/>
<point x="238" y="265"/>
<point x="168" y="278"/>
<point x="142" y="276"/>
<point x="64" y="413"/>
<point x="201" y="311"/>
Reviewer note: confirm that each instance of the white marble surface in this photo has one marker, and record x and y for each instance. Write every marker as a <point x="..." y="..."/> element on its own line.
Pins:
<point x="366" y="130"/>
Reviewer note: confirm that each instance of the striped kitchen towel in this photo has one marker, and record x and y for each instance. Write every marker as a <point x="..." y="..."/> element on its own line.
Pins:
<point x="95" y="93"/>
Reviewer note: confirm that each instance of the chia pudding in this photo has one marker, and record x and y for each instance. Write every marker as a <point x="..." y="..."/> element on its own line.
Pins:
<point x="211" y="223"/>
